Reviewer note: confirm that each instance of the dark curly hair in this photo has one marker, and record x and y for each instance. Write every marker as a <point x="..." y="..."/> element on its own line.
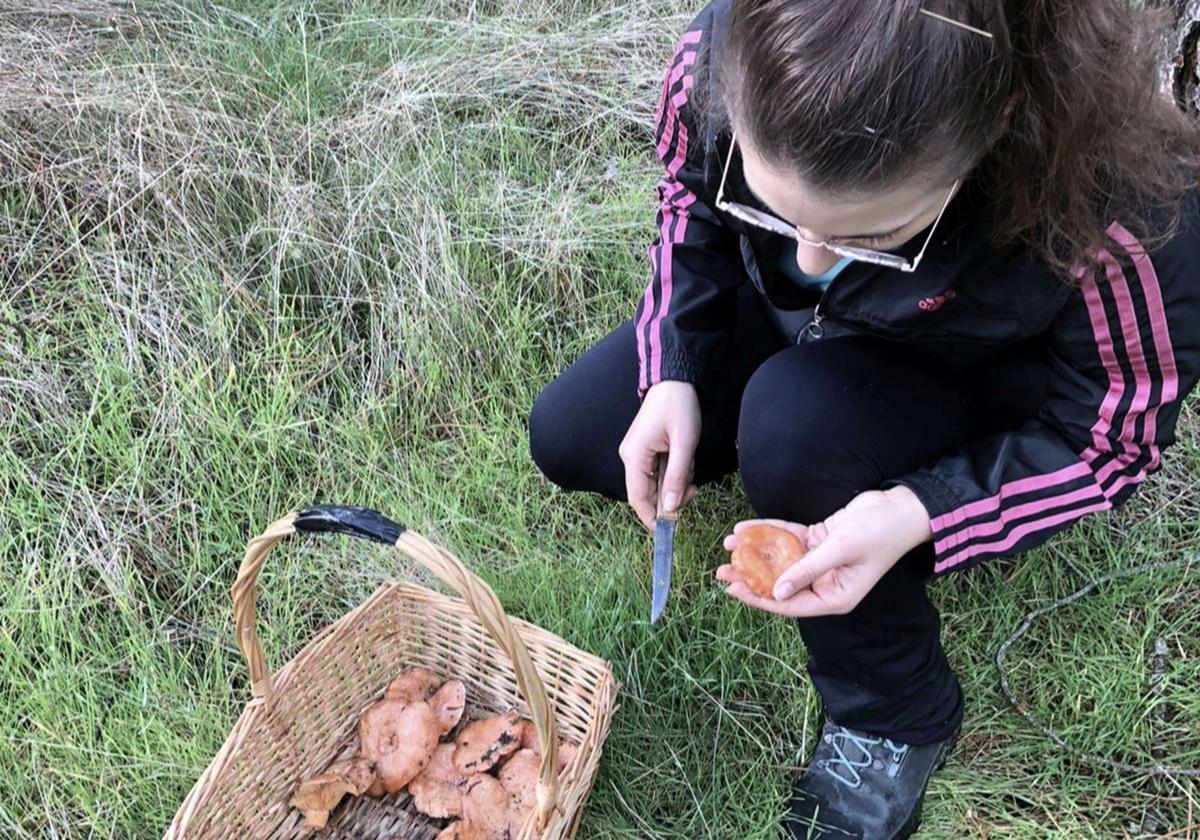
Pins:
<point x="1057" y="107"/>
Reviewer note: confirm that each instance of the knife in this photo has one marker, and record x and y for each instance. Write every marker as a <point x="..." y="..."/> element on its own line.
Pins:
<point x="664" y="547"/>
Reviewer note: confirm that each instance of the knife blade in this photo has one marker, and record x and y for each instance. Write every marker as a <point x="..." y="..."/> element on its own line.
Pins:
<point x="664" y="548"/>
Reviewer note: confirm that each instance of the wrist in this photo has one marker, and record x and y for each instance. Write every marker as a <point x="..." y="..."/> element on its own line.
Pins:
<point x="915" y="518"/>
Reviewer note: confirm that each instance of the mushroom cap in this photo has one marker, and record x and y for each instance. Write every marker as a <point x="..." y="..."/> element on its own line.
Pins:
<point x="438" y="790"/>
<point x="448" y="703"/>
<point x="400" y="738"/>
<point x="519" y="776"/>
<point x="413" y="685"/>
<point x="529" y="739"/>
<point x="567" y="750"/>
<point x="763" y="552"/>
<point x="462" y="831"/>
<point x="358" y="771"/>
<point x="377" y="788"/>
<point x="320" y="794"/>
<point x="484" y="742"/>
<point x="487" y="806"/>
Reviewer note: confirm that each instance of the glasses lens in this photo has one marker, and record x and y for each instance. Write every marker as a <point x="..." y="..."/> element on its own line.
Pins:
<point x="757" y="217"/>
<point x="866" y="255"/>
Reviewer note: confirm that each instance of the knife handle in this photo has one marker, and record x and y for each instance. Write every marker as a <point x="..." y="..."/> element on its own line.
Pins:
<point x="660" y="471"/>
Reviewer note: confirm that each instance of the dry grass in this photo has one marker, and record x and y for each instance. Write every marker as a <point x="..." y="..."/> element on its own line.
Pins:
<point x="263" y="254"/>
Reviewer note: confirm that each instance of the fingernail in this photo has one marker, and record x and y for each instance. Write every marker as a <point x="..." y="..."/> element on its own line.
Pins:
<point x="670" y="501"/>
<point x="784" y="590"/>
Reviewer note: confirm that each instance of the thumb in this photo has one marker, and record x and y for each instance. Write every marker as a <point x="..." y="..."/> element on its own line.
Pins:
<point x="826" y="557"/>
<point x="677" y="478"/>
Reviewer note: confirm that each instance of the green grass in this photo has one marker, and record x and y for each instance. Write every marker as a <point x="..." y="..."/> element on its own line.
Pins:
<point x="270" y="253"/>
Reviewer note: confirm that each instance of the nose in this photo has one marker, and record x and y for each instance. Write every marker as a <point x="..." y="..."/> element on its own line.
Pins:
<point x="814" y="260"/>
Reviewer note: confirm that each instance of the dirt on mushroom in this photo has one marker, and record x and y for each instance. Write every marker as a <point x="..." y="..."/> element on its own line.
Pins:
<point x="484" y="742"/>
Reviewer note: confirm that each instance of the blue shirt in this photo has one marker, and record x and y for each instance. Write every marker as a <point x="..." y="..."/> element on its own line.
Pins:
<point x="819" y="282"/>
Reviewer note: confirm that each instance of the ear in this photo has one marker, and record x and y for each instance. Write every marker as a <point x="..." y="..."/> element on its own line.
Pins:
<point x="448" y="704"/>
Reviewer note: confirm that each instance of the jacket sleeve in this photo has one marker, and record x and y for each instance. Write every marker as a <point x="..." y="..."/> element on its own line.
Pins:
<point x="686" y="315"/>
<point x="1124" y="352"/>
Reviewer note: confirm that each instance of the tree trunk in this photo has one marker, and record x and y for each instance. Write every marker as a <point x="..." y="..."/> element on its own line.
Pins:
<point x="1180" y="68"/>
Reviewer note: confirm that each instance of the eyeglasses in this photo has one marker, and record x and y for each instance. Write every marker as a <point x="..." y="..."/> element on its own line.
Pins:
<point x="758" y="218"/>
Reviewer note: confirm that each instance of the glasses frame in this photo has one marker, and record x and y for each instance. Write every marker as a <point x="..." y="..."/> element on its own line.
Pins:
<point x="766" y="221"/>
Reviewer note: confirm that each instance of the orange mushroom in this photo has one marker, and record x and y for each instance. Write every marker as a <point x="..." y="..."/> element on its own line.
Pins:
<point x="401" y="737"/>
<point x="487" y="806"/>
<point x="567" y="750"/>
<point x="484" y="742"/>
<point x="438" y="790"/>
<point x="412" y="685"/>
<point x="519" y="776"/>
<point x="319" y="795"/>
<point x="763" y="553"/>
<point x="462" y="831"/>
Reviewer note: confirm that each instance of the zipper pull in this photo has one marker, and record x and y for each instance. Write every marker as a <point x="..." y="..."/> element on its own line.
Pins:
<point x="812" y="331"/>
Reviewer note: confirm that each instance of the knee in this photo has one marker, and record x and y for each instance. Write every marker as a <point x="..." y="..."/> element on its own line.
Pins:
<point x="571" y="446"/>
<point x="799" y="456"/>
<point x="550" y="443"/>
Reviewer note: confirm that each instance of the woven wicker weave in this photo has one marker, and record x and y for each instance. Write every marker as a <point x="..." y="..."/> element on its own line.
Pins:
<point x="305" y="716"/>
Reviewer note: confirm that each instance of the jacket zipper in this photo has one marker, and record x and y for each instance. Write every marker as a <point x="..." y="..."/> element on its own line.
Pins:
<point x="813" y="331"/>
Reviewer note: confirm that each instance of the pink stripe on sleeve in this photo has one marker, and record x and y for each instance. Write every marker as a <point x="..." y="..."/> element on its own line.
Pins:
<point x="1102" y="430"/>
<point x="684" y="57"/>
<point x="1012" y="514"/>
<point x="1158" y="326"/>
<point x="667" y="281"/>
<point x="1108" y="357"/>
<point x="1131" y="334"/>
<point x="1012" y="488"/>
<point x="1016" y="535"/>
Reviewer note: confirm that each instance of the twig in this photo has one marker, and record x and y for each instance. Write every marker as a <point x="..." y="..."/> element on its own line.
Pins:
<point x="1023" y="710"/>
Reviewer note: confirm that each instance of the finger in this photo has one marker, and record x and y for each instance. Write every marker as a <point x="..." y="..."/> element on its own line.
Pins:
<point x="817" y="534"/>
<point x="730" y="543"/>
<point x="689" y="494"/>
<point x="798" y="530"/>
<point x="729" y="574"/>
<point x="804" y="604"/>
<point x="831" y="554"/>
<point x="639" y="488"/>
<point x="675" y="483"/>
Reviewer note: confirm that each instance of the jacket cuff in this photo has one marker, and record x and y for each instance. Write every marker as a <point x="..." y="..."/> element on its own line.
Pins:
<point x="939" y="500"/>
<point x="678" y="367"/>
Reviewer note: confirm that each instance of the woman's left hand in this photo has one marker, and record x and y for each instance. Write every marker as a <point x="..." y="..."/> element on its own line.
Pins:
<point x="848" y="553"/>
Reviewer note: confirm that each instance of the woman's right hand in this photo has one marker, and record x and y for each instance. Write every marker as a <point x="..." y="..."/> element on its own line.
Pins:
<point x="668" y="421"/>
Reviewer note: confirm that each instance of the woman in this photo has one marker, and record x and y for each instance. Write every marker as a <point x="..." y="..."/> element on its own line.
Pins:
<point x="928" y="278"/>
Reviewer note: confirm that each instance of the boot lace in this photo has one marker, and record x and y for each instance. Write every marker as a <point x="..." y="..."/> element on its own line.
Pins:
<point x="852" y="753"/>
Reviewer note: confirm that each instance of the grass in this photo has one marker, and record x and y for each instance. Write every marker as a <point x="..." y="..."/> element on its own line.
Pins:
<point x="268" y="253"/>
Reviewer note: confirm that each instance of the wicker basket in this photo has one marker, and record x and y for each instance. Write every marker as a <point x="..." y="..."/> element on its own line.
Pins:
<point x="305" y="716"/>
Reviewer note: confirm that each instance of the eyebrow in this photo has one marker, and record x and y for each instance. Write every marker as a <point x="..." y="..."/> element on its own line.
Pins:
<point x="881" y="235"/>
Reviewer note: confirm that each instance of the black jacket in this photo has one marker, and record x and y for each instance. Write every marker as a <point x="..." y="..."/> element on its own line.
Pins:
<point x="1123" y="345"/>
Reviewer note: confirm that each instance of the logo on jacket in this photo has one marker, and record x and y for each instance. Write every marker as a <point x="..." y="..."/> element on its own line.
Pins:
<point x="933" y="304"/>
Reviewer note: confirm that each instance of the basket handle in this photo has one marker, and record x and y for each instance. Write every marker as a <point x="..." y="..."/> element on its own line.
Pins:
<point x="365" y="523"/>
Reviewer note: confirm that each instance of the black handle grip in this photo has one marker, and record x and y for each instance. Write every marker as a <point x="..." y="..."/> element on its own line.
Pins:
<point x="360" y="522"/>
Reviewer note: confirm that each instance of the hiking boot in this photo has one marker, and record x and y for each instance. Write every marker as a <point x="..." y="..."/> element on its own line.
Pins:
<point x="862" y="787"/>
